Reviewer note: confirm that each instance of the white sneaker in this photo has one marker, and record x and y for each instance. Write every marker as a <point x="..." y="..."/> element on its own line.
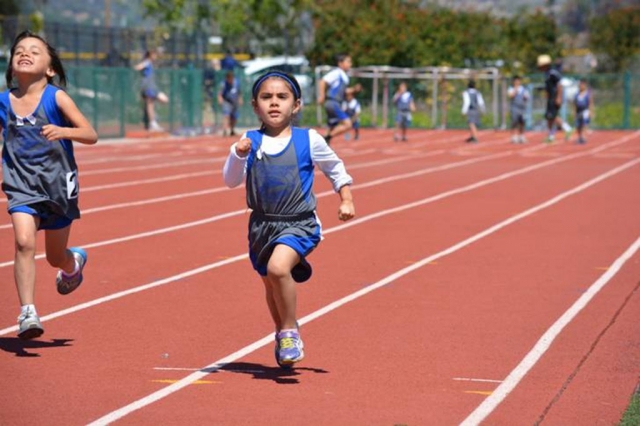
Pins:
<point x="514" y="139"/>
<point x="155" y="127"/>
<point x="67" y="284"/>
<point x="30" y="326"/>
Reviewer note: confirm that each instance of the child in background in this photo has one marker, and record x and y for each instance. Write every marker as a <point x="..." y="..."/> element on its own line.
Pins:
<point x="353" y="109"/>
<point x="230" y="98"/>
<point x="331" y="93"/>
<point x="472" y="107"/>
<point x="278" y="161"/>
<point x="553" y="88"/>
<point x="584" y="110"/>
<point x="149" y="91"/>
<point x="519" y="97"/>
<point x="40" y="177"/>
<point x="403" y="100"/>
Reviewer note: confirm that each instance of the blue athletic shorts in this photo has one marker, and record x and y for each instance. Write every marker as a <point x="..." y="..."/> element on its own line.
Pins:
<point x="48" y="218"/>
<point x="335" y="113"/>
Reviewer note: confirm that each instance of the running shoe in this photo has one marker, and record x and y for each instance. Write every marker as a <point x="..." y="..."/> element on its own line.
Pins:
<point x="30" y="326"/>
<point x="289" y="348"/>
<point x="550" y="139"/>
<point x="68" y="283"/>
<point x="568" y="134"/>
<point x="302" y="271"/>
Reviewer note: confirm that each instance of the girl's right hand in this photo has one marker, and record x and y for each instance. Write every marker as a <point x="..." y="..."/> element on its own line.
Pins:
<point x="243" y="147"/>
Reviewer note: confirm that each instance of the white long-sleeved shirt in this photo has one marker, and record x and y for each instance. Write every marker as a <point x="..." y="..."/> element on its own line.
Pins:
<point x="466" y="101"/>
<point x="235" y="167"/>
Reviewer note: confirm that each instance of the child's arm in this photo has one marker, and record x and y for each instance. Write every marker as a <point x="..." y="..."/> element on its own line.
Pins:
<point x="234" y="167"/>
<point x="591" y="106"/>
<point x="354" y="89"/>
<point x="141" y="65"/>
<point x="82" y="131"/>
<point x="347" y="210"/>
<point x="412" y="106"/>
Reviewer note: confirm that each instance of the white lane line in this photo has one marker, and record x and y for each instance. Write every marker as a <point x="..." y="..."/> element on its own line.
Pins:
<point x="266" y="340"/>
<point x="204" y="173"/>
<point x="198" y="369"/>
<point x="529" y="361"/>
<point x="241" y="257"/>
<point x="470" y="379"/>
<point x="238" y="212"/>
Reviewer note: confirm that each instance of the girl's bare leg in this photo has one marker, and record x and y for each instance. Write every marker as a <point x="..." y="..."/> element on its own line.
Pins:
<point x="58" y="255"/>
<point x="25" y="227"/>
<point x="283" y="287"/>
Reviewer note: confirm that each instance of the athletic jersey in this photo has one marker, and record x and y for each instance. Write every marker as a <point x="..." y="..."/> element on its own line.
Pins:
<point x="519" y="100"/>
<point x="281" y="184"/>
<point x="230" y="91"/>
<point x="403" y="102"/>
<point x="352" y="107"/>
<point x="582" y="101"/>
<point x="337" y="82"/>
<point x="551" y="79"/>
<point x="34" y="169"/>
<point x="472" y="101"/>
<point x="148" y="79"/>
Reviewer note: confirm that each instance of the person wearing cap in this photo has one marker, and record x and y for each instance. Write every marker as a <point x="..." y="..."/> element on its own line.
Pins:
<point x="552" y="77"/>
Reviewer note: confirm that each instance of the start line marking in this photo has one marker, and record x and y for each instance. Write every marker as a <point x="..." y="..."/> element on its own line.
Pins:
<point x="501" y="392"/>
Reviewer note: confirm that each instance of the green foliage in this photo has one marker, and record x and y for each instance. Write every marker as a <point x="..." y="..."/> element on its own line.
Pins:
<point x="528" y="36"/>
<point x="236" y="19"/>
<point x="617" y="35"/>
<point x="402" y="34"/>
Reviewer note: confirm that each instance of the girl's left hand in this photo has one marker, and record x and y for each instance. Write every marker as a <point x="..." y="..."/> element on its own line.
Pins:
<point x="52" y="132"/>
<point x="347" y="210"/>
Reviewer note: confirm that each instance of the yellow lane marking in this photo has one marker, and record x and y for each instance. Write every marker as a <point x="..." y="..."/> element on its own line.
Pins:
<point x="485" y="393"/>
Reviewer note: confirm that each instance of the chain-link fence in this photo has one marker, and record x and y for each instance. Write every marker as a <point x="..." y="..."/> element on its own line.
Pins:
<point x="110" y="98"/>
<point x="439" y="103"/>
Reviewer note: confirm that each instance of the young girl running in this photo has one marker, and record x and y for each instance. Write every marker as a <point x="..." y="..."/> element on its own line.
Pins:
<point x="278" y="162"/>
<point x="39" y="121"/>
<point x="149" y="91"/>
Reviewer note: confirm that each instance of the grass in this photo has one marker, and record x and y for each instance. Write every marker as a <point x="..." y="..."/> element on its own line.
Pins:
<point x="631" y="417"/>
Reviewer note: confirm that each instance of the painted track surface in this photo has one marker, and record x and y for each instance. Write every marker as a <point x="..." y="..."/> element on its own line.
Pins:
<point x="478" y="283"/>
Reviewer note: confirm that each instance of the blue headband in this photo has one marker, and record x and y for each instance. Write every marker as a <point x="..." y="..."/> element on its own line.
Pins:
<point x="270" y="74"/>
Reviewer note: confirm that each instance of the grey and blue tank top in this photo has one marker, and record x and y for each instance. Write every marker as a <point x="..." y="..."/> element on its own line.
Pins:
<point x="34" y="169"/>
<point x="519" y="101"/>
<point x="582" y="101"/>
<point x="281" y="185"/>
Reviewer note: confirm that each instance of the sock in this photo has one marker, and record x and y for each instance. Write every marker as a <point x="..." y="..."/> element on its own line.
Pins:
<point x="76" y="268"/>
<point x="287" y="330"/>
<point x="24" y="309"/>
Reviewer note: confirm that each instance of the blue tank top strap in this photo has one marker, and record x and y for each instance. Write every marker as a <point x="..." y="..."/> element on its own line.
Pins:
<point x="54" y="114"/>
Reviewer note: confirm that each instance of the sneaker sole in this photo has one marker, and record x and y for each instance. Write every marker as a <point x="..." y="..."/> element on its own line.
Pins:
<point x="31" y="333"/>
<point x="288" y="363"/>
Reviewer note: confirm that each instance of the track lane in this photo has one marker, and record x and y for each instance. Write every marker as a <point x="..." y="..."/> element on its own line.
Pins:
<point x="174" y="297"/>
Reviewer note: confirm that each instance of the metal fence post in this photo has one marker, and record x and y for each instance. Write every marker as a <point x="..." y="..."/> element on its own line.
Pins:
<point x="626" y="114"/>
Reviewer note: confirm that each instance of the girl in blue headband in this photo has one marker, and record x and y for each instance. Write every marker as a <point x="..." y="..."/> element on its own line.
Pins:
<point x="278" y="161"/>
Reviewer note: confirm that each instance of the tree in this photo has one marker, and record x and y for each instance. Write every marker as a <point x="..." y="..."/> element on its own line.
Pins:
<point x="617" y="36"/>
<point x="235" y="19"/>
<point x="530" y="35"/>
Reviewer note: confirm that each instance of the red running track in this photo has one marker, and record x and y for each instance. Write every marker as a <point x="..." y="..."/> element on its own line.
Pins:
<point x="489" y="283"/>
